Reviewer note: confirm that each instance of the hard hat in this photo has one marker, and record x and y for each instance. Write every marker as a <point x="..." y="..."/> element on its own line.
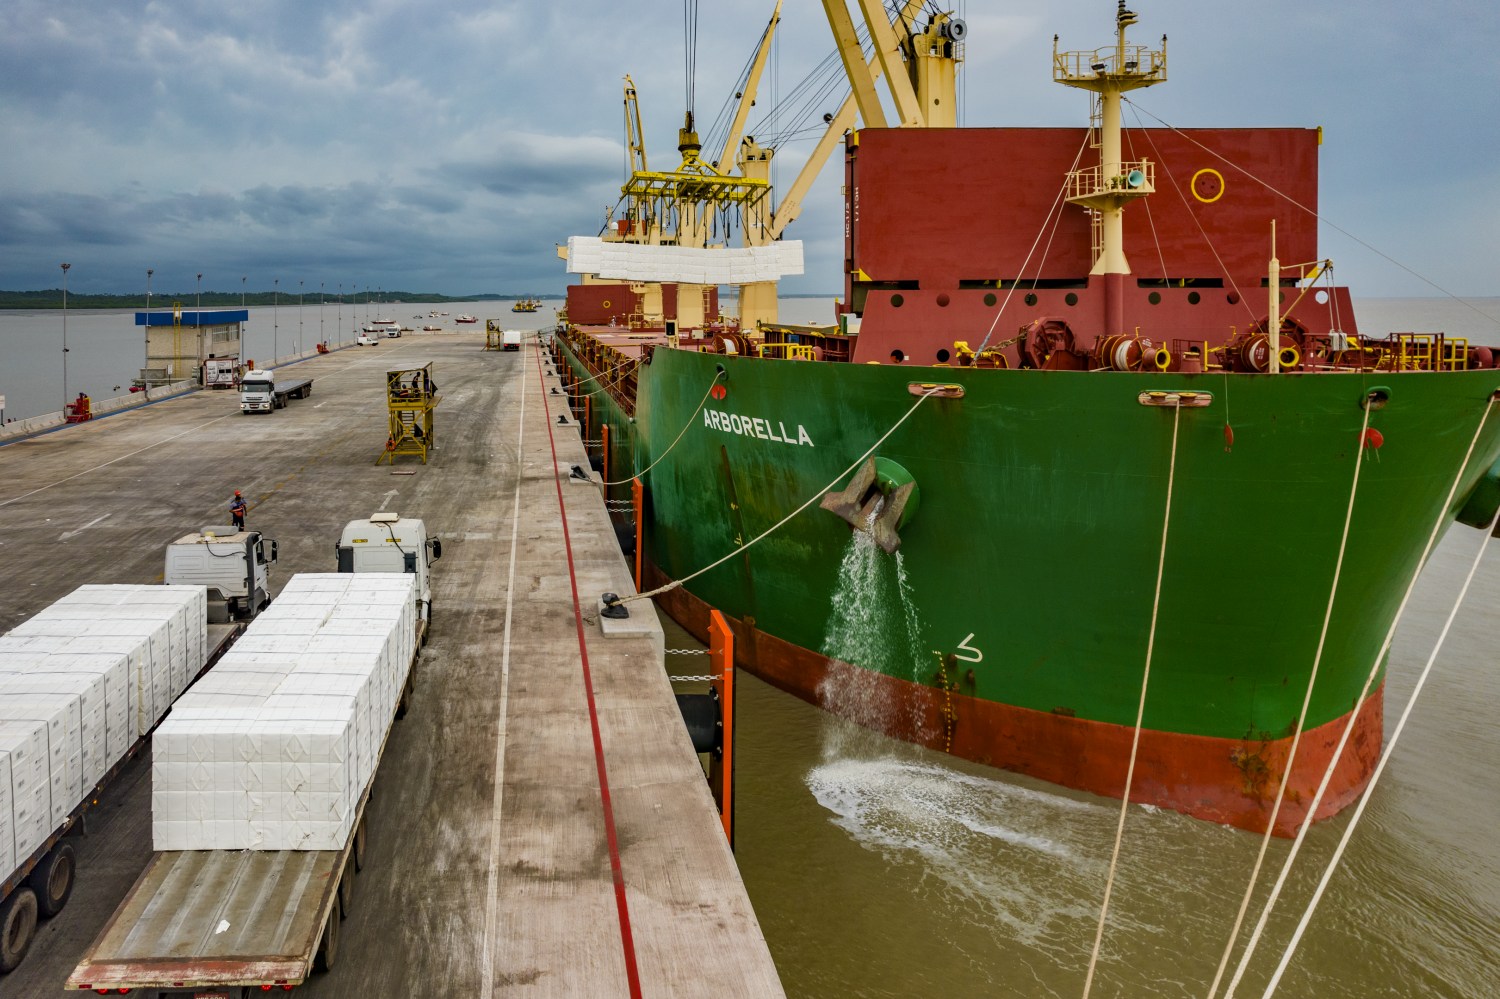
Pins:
<point x="236" y="492"/>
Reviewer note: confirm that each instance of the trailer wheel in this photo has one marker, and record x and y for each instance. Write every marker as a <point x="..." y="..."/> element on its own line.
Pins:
<point x="53" y="879"/>
<point x="328" y="947"/>
<point x="346" y="894"/>
<point x="17" y="927"/>
<point x="359" y="845"/>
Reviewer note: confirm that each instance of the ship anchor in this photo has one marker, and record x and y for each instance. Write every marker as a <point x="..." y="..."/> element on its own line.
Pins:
<point x="874" y="503"/>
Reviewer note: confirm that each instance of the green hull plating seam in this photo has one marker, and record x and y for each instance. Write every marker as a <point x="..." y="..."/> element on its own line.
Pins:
<point x="1033" y="559"/>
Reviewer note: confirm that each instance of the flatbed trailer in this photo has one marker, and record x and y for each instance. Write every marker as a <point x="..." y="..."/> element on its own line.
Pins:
<point x="264" y="394"/>
<point x="48" y="872"/>
<point x="226" y="924"/>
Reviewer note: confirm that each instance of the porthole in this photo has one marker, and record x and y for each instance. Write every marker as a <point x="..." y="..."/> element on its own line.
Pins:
<point x="943" y="355"/>
<point x="897" y="301"/>
<point x="1321" y="297"/>
<point x="942" y="300"/>
<point x="1031" y="298"/>
<point x="1194" y="298"/>
<point x="1154" y="298"/>
<point x="989" y="299"/>
<point x="1071" y="299"/>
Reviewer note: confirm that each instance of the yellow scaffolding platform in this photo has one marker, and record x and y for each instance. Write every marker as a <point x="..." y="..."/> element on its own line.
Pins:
<point x="410" y="397"/>
<point x="492" y="336"/>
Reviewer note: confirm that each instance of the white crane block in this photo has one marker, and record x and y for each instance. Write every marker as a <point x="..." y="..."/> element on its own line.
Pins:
<point x="730" y="265"/>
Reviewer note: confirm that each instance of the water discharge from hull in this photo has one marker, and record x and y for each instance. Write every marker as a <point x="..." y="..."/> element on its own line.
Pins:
<point x="872" y="621"/>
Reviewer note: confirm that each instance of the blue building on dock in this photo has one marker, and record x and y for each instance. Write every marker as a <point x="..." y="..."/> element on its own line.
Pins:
<point x="196" y="345"/>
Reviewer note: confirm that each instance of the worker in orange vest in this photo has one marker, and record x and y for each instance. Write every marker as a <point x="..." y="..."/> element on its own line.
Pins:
<point x="237" y="509"/>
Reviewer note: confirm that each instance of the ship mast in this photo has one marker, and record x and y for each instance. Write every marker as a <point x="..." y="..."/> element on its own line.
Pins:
<point x="1106" y="189"/>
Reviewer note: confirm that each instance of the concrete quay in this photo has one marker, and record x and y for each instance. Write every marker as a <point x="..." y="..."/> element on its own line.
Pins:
<point x="540" y="825"/>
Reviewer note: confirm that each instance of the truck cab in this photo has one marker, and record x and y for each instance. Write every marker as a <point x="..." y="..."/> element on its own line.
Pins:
<point x="388" y="542"/>
<point x="258" y="392"/>
<point x="234" y="565"/>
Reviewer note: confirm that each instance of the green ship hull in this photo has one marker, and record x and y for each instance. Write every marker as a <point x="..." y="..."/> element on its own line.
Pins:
<point x="1016" y="621"/>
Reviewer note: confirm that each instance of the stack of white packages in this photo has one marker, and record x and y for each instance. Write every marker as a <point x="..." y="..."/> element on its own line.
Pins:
<point x="275" y="747"/>
<point x="692" y="265"/>
<point x="79" y="683"/>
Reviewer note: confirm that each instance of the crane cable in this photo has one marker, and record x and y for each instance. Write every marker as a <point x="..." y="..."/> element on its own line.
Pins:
<point x="690" y="48"/>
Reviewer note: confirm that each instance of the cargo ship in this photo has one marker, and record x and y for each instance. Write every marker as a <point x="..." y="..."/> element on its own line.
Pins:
<point x="1084" y="474"/>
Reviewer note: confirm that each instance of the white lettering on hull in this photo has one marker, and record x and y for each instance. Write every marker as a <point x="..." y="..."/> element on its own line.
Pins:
<point x="757" y="427"/>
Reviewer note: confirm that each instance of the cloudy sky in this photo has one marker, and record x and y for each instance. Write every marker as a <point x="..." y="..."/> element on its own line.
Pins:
<point x="449" y="145"/>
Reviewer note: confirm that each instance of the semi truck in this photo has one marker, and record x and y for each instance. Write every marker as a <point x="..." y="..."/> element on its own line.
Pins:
<point x="388" y="542"/>
<point x="261" y="391"/>
<point x="233" y="564"/>
<point x="82" y="685"/>
<point x="261" y="910"/>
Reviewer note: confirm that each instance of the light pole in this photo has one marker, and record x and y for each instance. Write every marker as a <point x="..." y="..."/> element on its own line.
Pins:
<point x="149" y="271"/>
<point x="198" y="321"/>
<point x="65" y="336"/>
<point x="320" y="311"/>
<point x="341" y="312"/>
<point x="299" y="317"/>
<point x="244" y="329"/>
<point x="275" y="318"/>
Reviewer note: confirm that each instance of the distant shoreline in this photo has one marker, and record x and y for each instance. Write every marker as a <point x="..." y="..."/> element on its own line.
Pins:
<point x="16" y="301"/>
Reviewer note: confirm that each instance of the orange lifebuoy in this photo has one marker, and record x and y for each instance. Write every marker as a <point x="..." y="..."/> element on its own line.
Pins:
<point x="605" y="303"/>
<point x="390" y="443"/>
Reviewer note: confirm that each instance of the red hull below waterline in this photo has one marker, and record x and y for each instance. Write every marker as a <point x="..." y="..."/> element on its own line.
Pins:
<point x="1229" y="781"/>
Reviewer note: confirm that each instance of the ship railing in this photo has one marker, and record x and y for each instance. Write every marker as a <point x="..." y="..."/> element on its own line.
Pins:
<point x="1135" y="61"/>
<point x="1134" y="177"/>
<point x="790" y="351"/>
<point x="1431" y="352"/>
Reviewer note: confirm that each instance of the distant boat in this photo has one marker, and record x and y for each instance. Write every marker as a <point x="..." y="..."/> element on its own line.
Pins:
<point x="526" y="305"/>
<point x="466" y="318"/>
<point x="385" y="322"/>
<point x="429" y="328"/>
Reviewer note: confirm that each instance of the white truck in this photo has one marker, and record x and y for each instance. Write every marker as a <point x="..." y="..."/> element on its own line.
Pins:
<point x="234" y="565"/>
<point x="511" y="339"/>
<point x="388" y="542"/>
<point x="276" y="908"/>
<point x="97" y="670"/>
<point x="261" y="391"/>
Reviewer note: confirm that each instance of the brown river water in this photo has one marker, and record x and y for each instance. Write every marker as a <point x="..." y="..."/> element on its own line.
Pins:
<point x="879" y="869"/>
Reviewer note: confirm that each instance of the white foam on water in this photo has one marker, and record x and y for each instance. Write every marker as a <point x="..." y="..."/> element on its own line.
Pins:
<point x="987" y="840"/>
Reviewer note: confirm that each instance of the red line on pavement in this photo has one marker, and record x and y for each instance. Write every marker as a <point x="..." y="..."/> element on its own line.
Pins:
<point x="626" y="940"/>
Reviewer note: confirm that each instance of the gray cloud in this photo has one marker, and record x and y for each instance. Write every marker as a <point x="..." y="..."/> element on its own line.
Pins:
<point x="450" y="145"/>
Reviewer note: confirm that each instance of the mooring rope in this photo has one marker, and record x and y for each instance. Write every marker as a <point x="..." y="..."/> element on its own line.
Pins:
<point x="690" y="421"/>
<point x="1140" y="711"/>
<point x="1057" y="201"/>
<point x="1312" y="678"/>
<point x="1385" y="756"/>
<point x="1359" y="704"/>
<point x="668" y="587"/>
<point x="579" y="395"/>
